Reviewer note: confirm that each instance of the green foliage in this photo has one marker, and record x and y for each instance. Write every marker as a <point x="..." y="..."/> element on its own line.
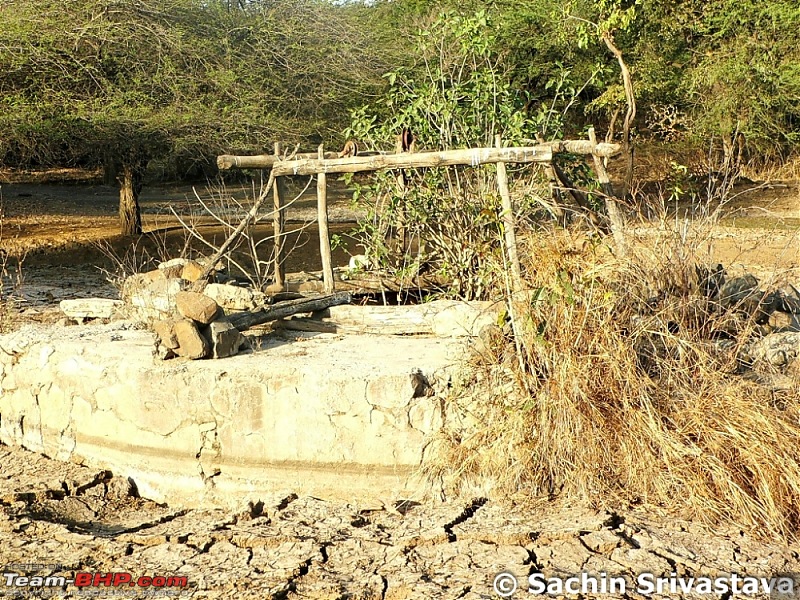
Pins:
<point x="85" y="78"/>
<point x="458" y="95"/>
<point x="745" y="76"/>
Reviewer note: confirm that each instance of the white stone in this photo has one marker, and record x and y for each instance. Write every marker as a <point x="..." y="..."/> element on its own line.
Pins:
<point x="175" y="262"/>
<point x="90" y="308"/>
<point x="231" y="297"/>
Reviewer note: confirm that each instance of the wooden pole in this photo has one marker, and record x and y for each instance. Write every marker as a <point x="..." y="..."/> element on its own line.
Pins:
<point x="262" y="161"/>
<point x="265" y="161"/>
<point x="401" y="209"/>
<point x="324" y="235"/>
<point x="446" y="158"/>
<point x="306" y="163"/>
<point x="612" y="209"/>
<point x="281" y="310"/>
<point x="555" y="191"/>
<point x="507" y="218"/>
<point x="606" y="149"/>
<point x="278" y="222"/>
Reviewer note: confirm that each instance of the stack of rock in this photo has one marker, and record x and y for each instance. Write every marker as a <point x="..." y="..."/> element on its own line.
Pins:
<point x="200" y="330"/>
<point x="188" y="323"/>
<point x="758" y="327"/>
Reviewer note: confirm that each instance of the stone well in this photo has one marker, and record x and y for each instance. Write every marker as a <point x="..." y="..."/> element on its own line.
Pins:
<point x="341" y="416"/>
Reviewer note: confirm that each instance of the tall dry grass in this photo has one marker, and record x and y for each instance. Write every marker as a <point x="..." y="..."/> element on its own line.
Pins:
<point x="627" y="394"/>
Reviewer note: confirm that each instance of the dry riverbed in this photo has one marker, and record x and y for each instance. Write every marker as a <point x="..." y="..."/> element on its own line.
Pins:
<point x="87" y="520"/>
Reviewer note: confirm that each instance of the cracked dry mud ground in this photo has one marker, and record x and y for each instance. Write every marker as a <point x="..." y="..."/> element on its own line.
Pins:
<point x="88" y="520"/>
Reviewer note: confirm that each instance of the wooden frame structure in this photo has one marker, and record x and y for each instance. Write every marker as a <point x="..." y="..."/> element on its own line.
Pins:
<point x="322" y="163"/>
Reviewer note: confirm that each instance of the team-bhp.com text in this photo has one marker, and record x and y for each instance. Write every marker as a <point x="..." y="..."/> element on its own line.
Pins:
<point x="94" y="580"/>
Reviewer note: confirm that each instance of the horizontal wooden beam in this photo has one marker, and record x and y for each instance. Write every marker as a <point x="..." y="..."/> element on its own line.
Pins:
<point x="446" y="158"/>
<point x="308" y="163"/>
<point x="265" y="161"/>
<point x="602" y="150"/>
<point x="261" y="161"/>
<point x="281" y="310"/>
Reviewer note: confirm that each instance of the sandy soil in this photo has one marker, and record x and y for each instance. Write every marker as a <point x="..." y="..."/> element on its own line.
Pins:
<point x="67" y="236"/>
<point x="68" y="232"/>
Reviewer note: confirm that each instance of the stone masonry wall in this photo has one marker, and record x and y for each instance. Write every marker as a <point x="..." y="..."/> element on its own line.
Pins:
<point x="335" y="416"/>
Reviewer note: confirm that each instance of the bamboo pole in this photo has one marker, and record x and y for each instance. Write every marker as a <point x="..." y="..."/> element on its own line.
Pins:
<point x="612" y="209"/>
<point x="470" y="156"/>
<point x="278" y="223"/>
<point x="265" y="161"/>
<point x="322" y="218"/>
<point x="605" y="149"/>
<point x="262" y="161"/>
<point x="507" y="218"/>
<point x="299" y="163"/>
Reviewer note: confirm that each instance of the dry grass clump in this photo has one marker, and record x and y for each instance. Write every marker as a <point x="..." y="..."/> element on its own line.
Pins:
<point x="627" y="395"/>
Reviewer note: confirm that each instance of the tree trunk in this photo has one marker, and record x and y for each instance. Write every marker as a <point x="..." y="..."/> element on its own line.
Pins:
<point x="109" y="170"/>
<point x="630" y="99"/>
<point x="131" y="179"/>
<point x="281" y="310"/>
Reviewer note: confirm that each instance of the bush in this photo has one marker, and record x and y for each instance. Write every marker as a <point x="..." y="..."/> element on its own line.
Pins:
<point x="625" y="396"/>
<point x="458" y="96"/>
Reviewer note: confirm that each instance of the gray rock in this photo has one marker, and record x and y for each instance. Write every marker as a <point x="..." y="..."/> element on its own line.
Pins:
<point x="224" y="339"/>
<point x="150" y="297"/>
<point x="737" y="290"/>
<point x="742" y="294"/>
<point x="197" y="307"/>
<point x="231" y="297"/>
<point x="190" y="343"/>
<point x="165" y="330"/>
<point x="774" y="350"/>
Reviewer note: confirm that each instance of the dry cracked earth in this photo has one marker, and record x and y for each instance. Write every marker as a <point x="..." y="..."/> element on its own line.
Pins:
<point x="69" y="518"/>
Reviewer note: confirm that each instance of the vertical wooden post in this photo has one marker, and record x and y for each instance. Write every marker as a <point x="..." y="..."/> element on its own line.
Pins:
<point x="552" y="179"/>
<point x="278" y="222"/>
<point x="612" y="210"/>
<point x="324" y="236"/>
<point x="401" y="242"/>
<point x="507" y="218"/>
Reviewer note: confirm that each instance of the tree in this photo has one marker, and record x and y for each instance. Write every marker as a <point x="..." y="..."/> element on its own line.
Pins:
<point x="744" y="77"/>
<point x="456" y="95"/>
<point x="122" y="82"/>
